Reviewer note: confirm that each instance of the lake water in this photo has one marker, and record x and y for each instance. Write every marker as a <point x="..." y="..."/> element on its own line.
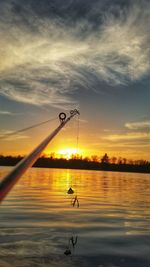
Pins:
<point x="106" y="222"/>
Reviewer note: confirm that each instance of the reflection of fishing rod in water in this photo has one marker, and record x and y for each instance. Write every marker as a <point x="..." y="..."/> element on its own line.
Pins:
<point x="74" y="200"/>
<point x="72" y="242"/>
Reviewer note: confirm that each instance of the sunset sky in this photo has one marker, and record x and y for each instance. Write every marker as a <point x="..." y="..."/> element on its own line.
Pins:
<point x="57" y="55"/>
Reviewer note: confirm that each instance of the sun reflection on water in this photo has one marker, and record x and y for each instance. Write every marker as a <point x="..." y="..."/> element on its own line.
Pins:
<point x="113" y="209"/>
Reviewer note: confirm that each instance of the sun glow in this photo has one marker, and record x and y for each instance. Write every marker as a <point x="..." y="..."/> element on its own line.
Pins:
<point x="67" y="153"/>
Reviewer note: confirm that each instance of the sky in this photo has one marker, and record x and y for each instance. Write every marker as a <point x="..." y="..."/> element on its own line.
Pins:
<point x="91" y="55"/>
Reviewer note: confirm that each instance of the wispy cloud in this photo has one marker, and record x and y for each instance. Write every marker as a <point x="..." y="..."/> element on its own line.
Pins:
<point x="138" y="125"/>
<point x="121" y="145"/>
<point x="5" y="112"/>
<point x="44" y="60"/>
<point x="6" y="135"/>
<point x="137" y="136"/>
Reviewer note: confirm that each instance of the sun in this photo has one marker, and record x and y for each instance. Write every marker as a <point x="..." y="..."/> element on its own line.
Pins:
<point x="68" y="152"/>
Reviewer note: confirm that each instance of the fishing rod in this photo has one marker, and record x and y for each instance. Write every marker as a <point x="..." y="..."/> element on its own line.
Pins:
<point x="11" y="179"/>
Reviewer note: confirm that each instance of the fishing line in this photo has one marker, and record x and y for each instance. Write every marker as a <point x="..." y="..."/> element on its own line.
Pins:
<point x="77" y="145"/>
<point x="27" y="128"/>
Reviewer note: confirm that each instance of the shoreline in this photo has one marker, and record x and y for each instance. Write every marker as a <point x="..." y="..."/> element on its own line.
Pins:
<point x="86" y="169"/>
<point x="80" y="164"/>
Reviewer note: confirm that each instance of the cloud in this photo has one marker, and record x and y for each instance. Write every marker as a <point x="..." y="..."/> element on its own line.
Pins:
<point x="137" y="136"/>
<point x="46" y="57"/>
<point x="121" y="145"/>
<point x="6" y="135"/>
<point x="5" y="112"/>
<point x="138" y="125"/>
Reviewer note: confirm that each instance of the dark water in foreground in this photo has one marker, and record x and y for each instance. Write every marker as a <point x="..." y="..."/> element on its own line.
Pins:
<point x="111" y="226"/>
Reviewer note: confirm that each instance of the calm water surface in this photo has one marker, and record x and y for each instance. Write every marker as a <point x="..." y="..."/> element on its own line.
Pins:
<point x="111" y="224"/>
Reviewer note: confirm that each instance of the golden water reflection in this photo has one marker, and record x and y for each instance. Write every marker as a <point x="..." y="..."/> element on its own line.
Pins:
<point x="113" y="208"/>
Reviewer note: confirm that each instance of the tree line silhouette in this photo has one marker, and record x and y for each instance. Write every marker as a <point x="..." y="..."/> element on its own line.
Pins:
<point x="78" y="162"/>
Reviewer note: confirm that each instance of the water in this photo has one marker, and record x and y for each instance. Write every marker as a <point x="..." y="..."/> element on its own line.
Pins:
<point x="111" y="226"/>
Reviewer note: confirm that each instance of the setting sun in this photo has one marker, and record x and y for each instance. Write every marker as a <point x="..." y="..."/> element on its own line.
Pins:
<point x="68" y="152"/>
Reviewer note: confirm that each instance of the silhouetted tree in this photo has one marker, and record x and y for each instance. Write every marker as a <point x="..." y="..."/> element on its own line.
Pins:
<point x="52" y="155"/>
<point x="113" y="160"/>
<point x="105" y="159"/>
<point x="124" y="161"/>
<point x="94" y="158"/>
<point x="119" y="160"/>
<point x="86" y="159"/>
